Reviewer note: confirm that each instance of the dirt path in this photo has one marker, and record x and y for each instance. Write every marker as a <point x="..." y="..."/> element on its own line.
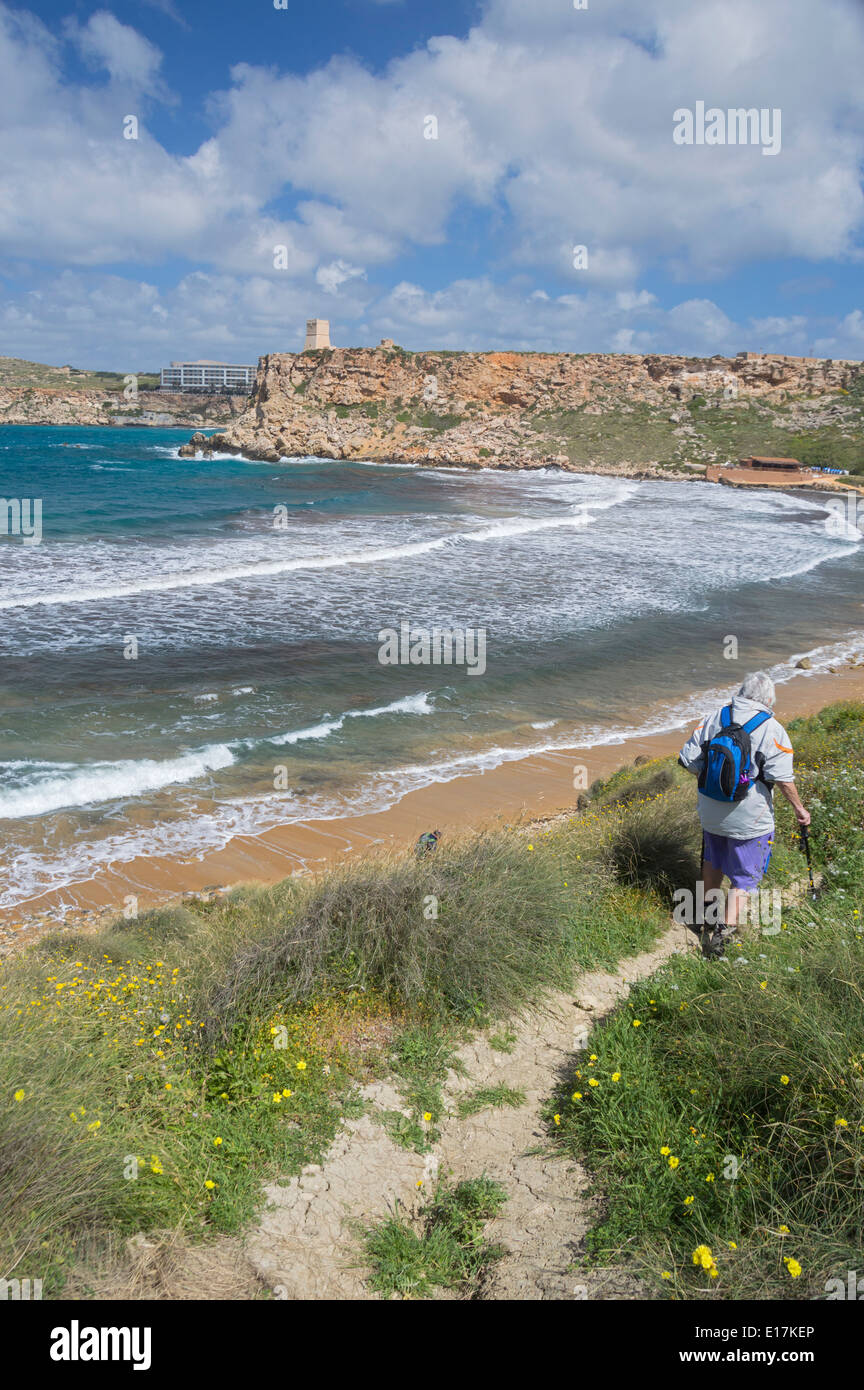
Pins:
<point x="306" y="1244"/>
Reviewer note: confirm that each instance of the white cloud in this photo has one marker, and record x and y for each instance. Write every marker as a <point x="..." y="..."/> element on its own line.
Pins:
<point x="553" y="129"/>
<point x="331" y="276"/>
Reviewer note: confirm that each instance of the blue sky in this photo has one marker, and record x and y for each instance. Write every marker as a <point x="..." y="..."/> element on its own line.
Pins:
<point x="308" y="128"/>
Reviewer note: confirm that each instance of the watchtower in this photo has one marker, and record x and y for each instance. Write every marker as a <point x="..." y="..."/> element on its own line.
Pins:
<point x="317" y="334"/>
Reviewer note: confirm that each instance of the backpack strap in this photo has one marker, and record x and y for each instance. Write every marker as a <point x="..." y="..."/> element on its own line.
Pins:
<point x="725" y="716"/>
<point x="756" y="722"/>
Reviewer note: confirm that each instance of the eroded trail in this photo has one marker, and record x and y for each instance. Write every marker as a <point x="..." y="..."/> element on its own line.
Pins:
<point x="306" y="1245"/>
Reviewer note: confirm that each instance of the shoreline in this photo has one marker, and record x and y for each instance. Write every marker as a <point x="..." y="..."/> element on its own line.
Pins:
<point x="534" y="788"/>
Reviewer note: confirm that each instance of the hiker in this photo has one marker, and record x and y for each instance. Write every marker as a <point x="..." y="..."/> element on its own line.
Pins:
<point x="739" y="753"/>
<point x="427" y="842"/>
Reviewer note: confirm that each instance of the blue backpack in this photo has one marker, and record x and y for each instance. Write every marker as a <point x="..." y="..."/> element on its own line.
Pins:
<point x="727" y="768"/>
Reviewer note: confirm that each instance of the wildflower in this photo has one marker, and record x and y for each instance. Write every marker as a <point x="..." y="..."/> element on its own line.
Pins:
<point x="637" y="1023"/>
<point x="301" y="1066"/>
<point x="665" y="1151"/>
<point x="784" y="1080"/>
<point x="792" y="1265"/>
<point x="557" y="1119"/>
<point x="593" y="1082"/>
<point x="19" y="1095"/>
<point x="218" y="1140"/>
<point x="577" y="1095"/>
<point x="665" y="1274"/>
<point x="844" y="1124"/>
<point x="784" y="1230"/>
<point x="277" y="1099"/>
<point x="688" y="1201"/>
<point x="673" y="1161"/>
<point x="616" y="1076"/>
<point x="419" y="1182"/>
<point x="593" y="1057"/>
<point x="530" y="846"/>
<point x="709" y="1177"/>
<point x="168" y="1086"/>
<point x="97" y="1124"/>
<point x="763" y="984"/>
<point x="732" y="1245"/>
<point x="427" y="1116"/>
<point x="286" y="1093"/>
<point x="209" y="1183"/>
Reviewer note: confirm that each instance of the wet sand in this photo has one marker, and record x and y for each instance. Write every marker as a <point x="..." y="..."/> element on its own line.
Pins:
<point x="540" y="785"/>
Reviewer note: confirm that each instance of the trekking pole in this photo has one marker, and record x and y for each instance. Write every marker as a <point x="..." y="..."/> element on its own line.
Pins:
<point x="804" y="836"/>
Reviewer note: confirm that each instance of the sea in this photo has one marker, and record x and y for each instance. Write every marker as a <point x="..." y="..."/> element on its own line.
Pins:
<point x="192" y="651"/>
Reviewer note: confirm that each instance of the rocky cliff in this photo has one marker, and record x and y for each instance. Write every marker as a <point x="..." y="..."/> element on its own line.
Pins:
<point x="507" y="409"/>
<point x="35" y="405"/>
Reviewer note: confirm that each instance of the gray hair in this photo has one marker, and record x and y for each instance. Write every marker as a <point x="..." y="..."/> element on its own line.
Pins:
<point x="760" y="688"/>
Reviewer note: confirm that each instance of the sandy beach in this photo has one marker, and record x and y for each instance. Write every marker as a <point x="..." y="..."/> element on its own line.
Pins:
<point x="534" y="787"/>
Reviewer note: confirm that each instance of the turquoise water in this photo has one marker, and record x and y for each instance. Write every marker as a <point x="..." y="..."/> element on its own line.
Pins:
<point x="192" y="649"/>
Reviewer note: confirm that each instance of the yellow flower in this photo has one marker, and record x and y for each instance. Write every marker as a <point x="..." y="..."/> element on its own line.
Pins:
<point x="784" y="1230"/>
<point x="844" y="1124"/>
<point x="637" y="1023"/>
<point x="277" y="1099"/>
<point x="427" y="1116"/>
<point x="784" y="1080"/>
<point x="702" y="1256"/>
<point x="168" y="1086"/>
<point x="763" y="984"/>
<point x="97" y="1124"/>
<point x="732" y="1245"/>
<point x="709" y="1177"/>
<point x="209" y="1183"/>
<point x="557" y="1119"/>
<point x="577" y="1095"/>
<point x="793" y="1266"/>
<point x="217" y="1141"/>
<point x="673" y="1161"/>
<point x="593" y="1082"/>
<point x="530" y="846"/>
<point x="665" y="1274"/>
<point x="19" y="1095"/>
<point x="419" y="1182"/>
<point x="301" y="1066"/>
<point x="665" y="1151"/>
<point x="616" y="1076"/>
<point x="593" y="1057"/>
<point x="286" y="1093"/>
<point x="688" y="1201"/>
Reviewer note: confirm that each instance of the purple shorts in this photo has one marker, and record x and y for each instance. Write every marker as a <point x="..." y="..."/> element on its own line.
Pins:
<point x="742" y="861"/>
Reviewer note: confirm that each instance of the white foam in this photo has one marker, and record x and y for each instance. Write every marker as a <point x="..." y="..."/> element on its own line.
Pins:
<point x="100" y="782"/>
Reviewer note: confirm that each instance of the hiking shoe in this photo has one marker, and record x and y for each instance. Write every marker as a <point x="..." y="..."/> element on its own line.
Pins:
<point x="713" y="943"/>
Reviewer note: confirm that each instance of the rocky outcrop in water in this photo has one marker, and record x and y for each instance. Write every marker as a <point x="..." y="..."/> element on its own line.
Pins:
<point x="505" y="409"/>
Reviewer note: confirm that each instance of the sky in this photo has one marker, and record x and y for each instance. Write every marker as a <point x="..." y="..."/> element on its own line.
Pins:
<point x="196" y="178"/>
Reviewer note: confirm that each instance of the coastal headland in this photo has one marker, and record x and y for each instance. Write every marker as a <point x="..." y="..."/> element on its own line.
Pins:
<point x="643" y="416"/>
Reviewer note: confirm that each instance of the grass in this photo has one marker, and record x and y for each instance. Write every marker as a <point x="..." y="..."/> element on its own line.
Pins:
<point x="443" y="1247"/>
<point x="490" y="1098"/>
<point x="154" y="1076"/>
<point x="168" y="1067"/>
<point x="725" y="1110"/>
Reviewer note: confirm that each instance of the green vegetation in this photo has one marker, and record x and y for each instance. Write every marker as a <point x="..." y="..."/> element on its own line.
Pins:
<point x="642" y="434"/>
<point x="724" y="1113"/>
<point x="155" y="1075"/>
<point x="490" y="1098"/>
<point x="443" y="1247"/>
<point x="17" y="374"/>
